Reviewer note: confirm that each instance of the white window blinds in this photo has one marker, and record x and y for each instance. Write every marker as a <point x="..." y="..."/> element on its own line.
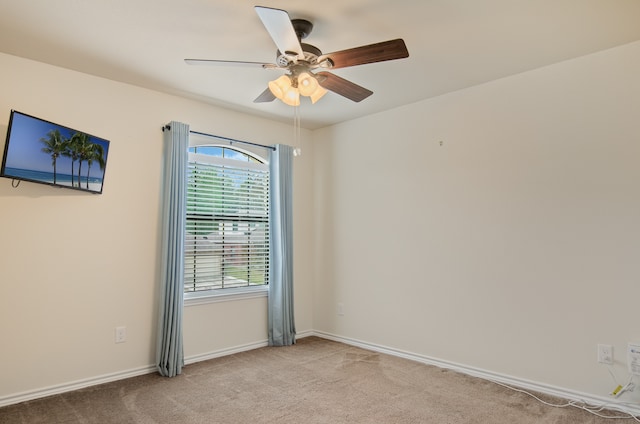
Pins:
<point x="227" y="226"/>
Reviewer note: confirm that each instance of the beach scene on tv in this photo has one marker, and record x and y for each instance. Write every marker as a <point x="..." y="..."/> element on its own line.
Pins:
<point x="45" y="152"/>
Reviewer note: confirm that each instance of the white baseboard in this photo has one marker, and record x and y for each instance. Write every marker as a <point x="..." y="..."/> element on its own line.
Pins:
<point x="237" y="349"/>
<point x="74" y="385"/>
<point x="518" y="383"/>
<point x="108" y="378"/>
<point x="223" y="352"/>
<point x="306" y="333"/>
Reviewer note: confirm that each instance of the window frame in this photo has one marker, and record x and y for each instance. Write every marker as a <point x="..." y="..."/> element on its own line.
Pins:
<point x="233" y="293"/>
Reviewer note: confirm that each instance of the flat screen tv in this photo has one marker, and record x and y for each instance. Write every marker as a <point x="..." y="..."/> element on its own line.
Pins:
<point x="43" y="152"/>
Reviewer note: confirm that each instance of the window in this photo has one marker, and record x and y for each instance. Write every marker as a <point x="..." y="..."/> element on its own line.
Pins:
<point x="227" y="226"/>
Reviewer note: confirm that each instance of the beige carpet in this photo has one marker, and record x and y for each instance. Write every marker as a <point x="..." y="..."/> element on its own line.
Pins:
<point x="314" y="381"/>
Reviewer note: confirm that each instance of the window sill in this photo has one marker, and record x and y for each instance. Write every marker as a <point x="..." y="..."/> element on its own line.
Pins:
<point x="225" y="295"/>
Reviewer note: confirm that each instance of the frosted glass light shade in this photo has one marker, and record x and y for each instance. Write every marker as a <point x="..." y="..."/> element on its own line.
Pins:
<point x="307" y="84"/>
<point x="280" y="86"/>
<point x="317" y="94"/>
<point x="291" y="97"/>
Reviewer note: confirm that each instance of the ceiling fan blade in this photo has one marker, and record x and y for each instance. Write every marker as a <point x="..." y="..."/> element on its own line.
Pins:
<point x="378" y="52"/>
<point x="342" y="86"/>
<point x="208" y="62"/>
<point x="265" y="96"/>
<point x="280" y="28"/>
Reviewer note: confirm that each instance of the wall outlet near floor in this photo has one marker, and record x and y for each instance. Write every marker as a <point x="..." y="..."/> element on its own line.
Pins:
<point x="340" y="309"/>
<point x="633" y="358"/>
<point x="121" y="334"/>
<point x="605" y="354"/>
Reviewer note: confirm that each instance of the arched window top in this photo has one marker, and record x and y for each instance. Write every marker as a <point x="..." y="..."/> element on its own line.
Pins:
<point x="226" y="152"/>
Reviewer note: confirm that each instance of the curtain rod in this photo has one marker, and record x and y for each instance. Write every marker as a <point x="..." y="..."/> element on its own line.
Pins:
<point x="231" y="140"/>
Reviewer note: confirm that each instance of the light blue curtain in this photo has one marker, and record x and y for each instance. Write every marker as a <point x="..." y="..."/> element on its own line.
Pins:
<point x="282" y="331"/>
<point x="169" y="353"/>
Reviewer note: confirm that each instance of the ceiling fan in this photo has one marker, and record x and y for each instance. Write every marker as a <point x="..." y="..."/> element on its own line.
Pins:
<point x="306" y="66"/>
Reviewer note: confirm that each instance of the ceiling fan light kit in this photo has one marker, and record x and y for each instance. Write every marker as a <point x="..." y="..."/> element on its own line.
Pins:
<point x="288" y="88"/>
<point x="300" y="59"/>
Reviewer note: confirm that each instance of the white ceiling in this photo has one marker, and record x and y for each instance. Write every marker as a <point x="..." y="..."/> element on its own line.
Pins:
<point x="453" y="44"/>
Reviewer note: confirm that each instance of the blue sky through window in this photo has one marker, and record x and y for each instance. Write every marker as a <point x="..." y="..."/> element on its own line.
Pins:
<point x="223" y="152"/>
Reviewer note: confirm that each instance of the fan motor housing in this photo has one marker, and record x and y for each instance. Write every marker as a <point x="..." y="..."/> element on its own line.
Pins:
<point x="302" y="27"/>
<point x="311" y="54"/>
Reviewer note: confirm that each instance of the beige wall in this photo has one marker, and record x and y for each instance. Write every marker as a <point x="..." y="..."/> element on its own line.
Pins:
<point x="513" y="247"/>
<point x="73" y="266"/>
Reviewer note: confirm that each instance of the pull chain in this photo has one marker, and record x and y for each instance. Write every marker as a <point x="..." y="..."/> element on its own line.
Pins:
<point x="297" y="151"/>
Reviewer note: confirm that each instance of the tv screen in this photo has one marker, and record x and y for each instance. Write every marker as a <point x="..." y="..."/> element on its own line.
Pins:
<point x="43" y="152"/>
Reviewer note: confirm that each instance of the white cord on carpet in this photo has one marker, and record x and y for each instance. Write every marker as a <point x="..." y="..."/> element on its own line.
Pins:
<point x="592" y="409"/>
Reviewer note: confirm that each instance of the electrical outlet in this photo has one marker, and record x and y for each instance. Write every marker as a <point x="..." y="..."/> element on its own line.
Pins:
<point x="605" y="354"/>
<point x="633" y="358"/>
<point x="121" y="334"/>
<point x="340" y="309"/>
